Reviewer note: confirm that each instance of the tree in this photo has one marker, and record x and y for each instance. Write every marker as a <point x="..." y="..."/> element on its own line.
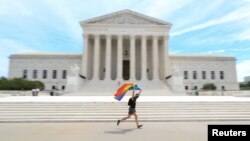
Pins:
<point x="209" y="86"/>
<point x="20" y="84"/>
<point x="3" y="78"/>
<point x="245" y="86"/>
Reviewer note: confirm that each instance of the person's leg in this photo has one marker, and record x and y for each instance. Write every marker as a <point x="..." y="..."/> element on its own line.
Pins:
<point x="125" y="118"/>
<point x="136" y="120"/>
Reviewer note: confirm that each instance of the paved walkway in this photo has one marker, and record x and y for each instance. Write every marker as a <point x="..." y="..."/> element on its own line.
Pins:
<point x="125" y="99"/>
<point x="151" y="131"/>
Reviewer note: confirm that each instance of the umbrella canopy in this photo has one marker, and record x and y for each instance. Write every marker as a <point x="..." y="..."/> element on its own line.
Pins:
<point x="120" y="93"/>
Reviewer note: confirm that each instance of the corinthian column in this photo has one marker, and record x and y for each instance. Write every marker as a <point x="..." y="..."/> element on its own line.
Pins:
<point x="96" y="57"/>
<point x="166" y="57"/>
<point x="85" y="56"/>
<point x="108" y="57"/>
<point x="132" y="57"/>
<point x="155" y="58"/>
<point x="144" y="58"/>
<point x="119" y="58"/>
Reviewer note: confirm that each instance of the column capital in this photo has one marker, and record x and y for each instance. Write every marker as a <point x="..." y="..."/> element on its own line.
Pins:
<point x="108" y="34"/>
<point x="155" y="36"/>
<point x="165" y="37"/>
<point x="132" y="36"/>
<point x="96" y="35"/>
<point x="85" y="35"/>
<point x="119" y="35"/>
<point x="144" y="36"/>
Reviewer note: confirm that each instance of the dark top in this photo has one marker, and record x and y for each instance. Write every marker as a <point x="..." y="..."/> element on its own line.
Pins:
<point x="131" y="103"/>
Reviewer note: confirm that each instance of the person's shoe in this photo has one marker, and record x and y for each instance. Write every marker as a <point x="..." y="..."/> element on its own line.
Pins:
<point x="139" y="126"/>
<point x="118" y="122"/>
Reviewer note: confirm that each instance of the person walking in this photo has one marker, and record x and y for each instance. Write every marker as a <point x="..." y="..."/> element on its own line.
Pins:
<point x="132" y="111"/>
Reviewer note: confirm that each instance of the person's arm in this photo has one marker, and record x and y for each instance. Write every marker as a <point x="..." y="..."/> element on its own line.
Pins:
<point x="140" y="91"/>
<point x="133" y="93"/>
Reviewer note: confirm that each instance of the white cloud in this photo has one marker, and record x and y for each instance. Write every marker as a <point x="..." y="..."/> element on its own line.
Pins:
<point x="160" y="8"/>
<point x="10" y="47"/>
<point x="13" y="8"/>
<point x="175" y="51"/>
<point x="238" y="14"/>
<point x="196" y="12"/>
<point x="244" y="35"/>
<point x="243" y="70"/>
<point x="221" y="51"/>
<point x="240" y="49"/>
<point x="66" y="15"/>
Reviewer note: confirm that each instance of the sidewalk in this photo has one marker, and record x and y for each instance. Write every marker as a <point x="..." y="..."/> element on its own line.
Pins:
<point x="151" y="131"/>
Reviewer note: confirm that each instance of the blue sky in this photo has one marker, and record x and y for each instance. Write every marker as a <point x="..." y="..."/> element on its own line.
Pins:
<point x="199" y="26"/>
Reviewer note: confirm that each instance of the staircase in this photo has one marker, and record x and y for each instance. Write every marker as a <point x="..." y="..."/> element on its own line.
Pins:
<point x="111" y="111"/>
<point x="149" y="88"/>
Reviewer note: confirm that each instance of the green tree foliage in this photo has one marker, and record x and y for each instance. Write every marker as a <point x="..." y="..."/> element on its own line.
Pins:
<point x="245" y="86"/>
<point x="19" y="84"/>
<point x="209" y="86"/>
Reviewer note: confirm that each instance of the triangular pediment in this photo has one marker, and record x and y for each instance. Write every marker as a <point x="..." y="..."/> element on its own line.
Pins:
<point x="125" y="17"/>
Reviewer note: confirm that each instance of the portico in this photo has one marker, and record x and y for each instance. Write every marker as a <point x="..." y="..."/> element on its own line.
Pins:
<point x="125" y="46"/>
<point x="127" y="57"/>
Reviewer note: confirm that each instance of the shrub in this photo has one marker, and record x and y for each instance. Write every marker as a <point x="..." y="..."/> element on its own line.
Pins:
<point x="209" y="86"/>
<point x="245" y="86"/>
<point x="20" y="84"/>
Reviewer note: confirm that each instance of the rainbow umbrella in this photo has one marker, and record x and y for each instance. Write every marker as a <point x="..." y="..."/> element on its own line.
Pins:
<point x="120" y="93"/>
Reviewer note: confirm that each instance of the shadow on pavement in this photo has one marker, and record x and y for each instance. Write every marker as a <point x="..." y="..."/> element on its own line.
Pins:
<point x="120" y="131"/>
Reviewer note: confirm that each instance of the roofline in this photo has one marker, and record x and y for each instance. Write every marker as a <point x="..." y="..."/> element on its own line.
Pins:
<point x="83" y="22"/>
<point x="203" y="57"/>
<point x="44" y="55"/>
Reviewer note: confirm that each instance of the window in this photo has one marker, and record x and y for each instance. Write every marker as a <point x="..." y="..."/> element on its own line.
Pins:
<point x="25" y="74"/>
<point x="186" y="87"/>
<point x="203" y="75"/>
<point x="44" y="74"/>
<point x="54" y="75"/>
<point x="221" y="75"/>
<point x="223" y="88"/>
<point x="185" y="74"/>
<point x="53" y="87"/>
<point x="34" y="74"/>
<point x="194" y="74"/>
<point x="64" y="74"/>
<point x="212" y="75"/>
<point x="195" y="88"/>
<point x="63" y="87"/>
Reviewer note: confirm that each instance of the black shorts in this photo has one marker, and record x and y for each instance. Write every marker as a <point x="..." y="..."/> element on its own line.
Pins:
<point x="131" y="111"/>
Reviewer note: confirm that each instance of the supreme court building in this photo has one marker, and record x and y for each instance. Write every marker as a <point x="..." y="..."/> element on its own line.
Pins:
<point x="125" y="46"/>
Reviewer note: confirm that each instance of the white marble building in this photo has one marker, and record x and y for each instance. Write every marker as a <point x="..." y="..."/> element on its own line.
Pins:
<point x="125" y="46"/>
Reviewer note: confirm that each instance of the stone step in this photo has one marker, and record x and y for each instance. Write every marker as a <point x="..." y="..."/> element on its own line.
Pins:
<point x="120" y="114"/>
<point x="117" y="116"/>
<point x="111" y="111"/>
<point x="125" y="108"/>
<point x="138" y="105"/>
<point x="130" y="120"/>
<point x="177" y="119"/>
<point x="120" y="103"/>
